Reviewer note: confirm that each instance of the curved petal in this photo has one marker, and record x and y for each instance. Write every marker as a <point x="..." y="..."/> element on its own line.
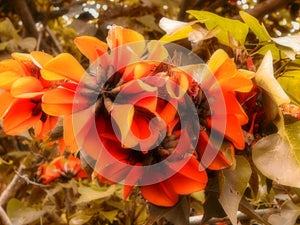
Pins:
<point x="233" y="131"/>
<point x="6" y="101"/>
<point x="26" y="87"/>
<point x="91" y="47"/>
<point x="211" y="157"/>
<point x="161" y="194"/>
<point x="12" y="65"/>
<point x="217" y="59"/>
<point x="41" y="129"/>
<point x="239" y="83"/>
<point x="40" y="58"/>
<point x="63" y="66"/>
<point x="58" y="102"/>
<point x="7" y="78"/>
<point x="192" y="175"/>
<point x="20" y="117"/>
<point x="118" y="36"/>
<point x="178" y="84"/>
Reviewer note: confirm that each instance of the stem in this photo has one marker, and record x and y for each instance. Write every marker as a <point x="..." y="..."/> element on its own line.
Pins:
<point x="4" y="218"/>
<point x="240" y="216"/>
<point x="14" y="185"/>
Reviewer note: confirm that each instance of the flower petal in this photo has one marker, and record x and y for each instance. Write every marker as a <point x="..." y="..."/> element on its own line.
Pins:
<point x="63" y="66"/>
<point x="58" y="102"/>
<point x="19" y="118"/>
<point x="233" y="131"/>
<point x="26" y="87"/>
<point x="161" y="194"/>
<point x="191" y="176"/>
<point x="6" y="101"/>
<point x="7" y="79"/>
<point x="118" y="36"/>
<point x="40" y="58"/>
<point x="217" y="59"/>
<point x="91" y="47"/>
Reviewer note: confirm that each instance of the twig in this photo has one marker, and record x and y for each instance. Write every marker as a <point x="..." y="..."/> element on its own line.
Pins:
<point x="266" y="7"/>
<point x="55" y="41"/>
<point x="240" y="216"/>
<point x="7" y="194"/>
<point x="11" y="187"/>
<point x="4" y="218"/>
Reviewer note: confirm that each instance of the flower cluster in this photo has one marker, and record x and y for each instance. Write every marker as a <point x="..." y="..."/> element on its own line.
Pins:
<point x="140" y="118"/>
<point x="63" y="168"/>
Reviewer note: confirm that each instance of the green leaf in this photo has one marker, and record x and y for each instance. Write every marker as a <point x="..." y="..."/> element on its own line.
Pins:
<point x="234" y="185"/>
<point x="290" y="82"/>
<point x="276" y="53"/>
<point x="80" y="219"/>
<point x="275" y="158"/>
<point x="177" y="215"/>
<point x="8" y="30"/>
<point x="21" y="214"/>
<point x="228" y="27"/>
<point x="258" y="29"/>
<point x="110" y="215"/>
<point x="288" y="214"/>
<point x="89" y="194"/>
<point x="180" y="34"/>
<point x="293" y="134"/>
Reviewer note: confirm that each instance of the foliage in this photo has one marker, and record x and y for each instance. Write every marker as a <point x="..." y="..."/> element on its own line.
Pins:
<point x="47" y="179"/>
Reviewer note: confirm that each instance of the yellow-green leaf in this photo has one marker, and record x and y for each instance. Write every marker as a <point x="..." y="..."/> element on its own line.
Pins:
<point x="290" y="82"/>
<point x="258" y="29"/>
<point x="228" y="27"/>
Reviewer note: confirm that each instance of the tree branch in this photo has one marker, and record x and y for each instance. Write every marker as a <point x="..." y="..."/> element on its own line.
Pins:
<point x="240" y="216"/>
<point x="267" y="6"/>
<point x="14" y="185"/>
<point x="4" y="218"/>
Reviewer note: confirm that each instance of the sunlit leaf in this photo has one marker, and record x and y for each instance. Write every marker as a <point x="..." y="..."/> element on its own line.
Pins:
<point x="258" y="29"/>
<point x="88" y="194"/>
<point x="180" y="34"/>
<point x="234" y="186"/>
<point x="7" y="29"/>
<point x="288" y="215"/>
<point x="265" y="79"/>
<point x="110" y="215"/>
<point x="235" y="28"/>
<point x="21" y="214"/>
<point x="293" y="134"/>
<point x="276" y="53"/>
<point x="80" y="219"/>
<point x="290" y="82"/>
<point x="274" y="157"/>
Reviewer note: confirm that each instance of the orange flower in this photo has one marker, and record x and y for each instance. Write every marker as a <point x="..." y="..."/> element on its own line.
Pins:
<point x="61" y="167"/>
<point x="221" y="90"/>
<point x="24" y="87"/>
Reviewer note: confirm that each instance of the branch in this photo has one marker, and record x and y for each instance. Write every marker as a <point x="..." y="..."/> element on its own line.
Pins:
<point x="267" y="6"/>
<point x="14" y="185"/>
<point x="240" y="216"/>
<point x="4" y="218"/>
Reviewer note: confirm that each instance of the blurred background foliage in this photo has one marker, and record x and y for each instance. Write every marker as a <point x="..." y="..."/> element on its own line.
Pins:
<point x="54" y="24"/>
<point x="51" y="26"/>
